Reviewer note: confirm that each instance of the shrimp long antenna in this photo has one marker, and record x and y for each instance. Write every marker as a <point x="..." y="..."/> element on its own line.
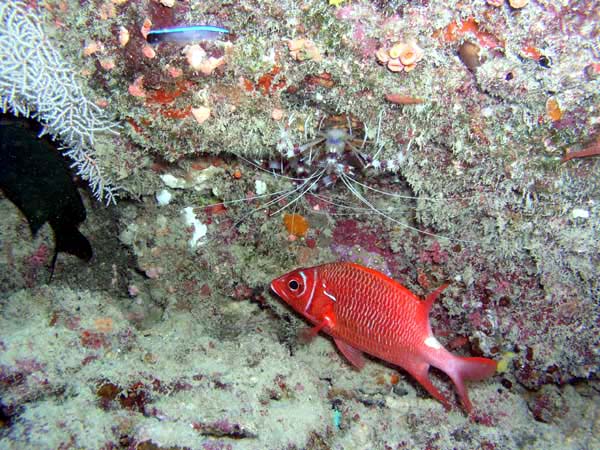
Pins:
<point x="409" y="197"/>
<point x="355" y="209"/>
<point x="391" y="194"/>
<point x="246" y="199"/>
<point x="317" y="176"/>
<point x="284" y="194"/>
<point x="289" y="192"/>
<point x="348" y="182"/>
<point x="270" y="172"/>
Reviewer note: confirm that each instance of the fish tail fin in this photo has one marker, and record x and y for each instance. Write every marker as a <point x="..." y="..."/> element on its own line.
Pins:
<point x="70" y="240"/>
<point x="471" y="369"/>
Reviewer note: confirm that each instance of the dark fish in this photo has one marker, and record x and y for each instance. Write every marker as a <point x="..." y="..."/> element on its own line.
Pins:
<point x="35" y="177"/>
<point x="186" y="34"/>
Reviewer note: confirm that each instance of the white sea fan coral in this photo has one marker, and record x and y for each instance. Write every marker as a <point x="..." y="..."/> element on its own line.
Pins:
<point x="36" y="81"/>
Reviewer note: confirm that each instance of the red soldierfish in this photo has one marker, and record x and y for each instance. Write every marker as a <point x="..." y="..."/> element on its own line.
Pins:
<point x="366" y="311"/>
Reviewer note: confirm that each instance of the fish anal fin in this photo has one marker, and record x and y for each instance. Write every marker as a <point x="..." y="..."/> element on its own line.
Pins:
<point x="352" y="354"/>
<point x="420" y="372"/>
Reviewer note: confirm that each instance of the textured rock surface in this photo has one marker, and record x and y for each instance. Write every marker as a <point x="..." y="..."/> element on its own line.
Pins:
<point x="466" y="186"/>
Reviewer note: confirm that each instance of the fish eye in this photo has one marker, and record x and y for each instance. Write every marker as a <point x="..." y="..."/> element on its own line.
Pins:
<point x="293" y="285"/>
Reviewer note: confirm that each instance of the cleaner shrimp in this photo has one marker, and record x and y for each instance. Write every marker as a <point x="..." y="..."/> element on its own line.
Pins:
<point x="343" y="151"/>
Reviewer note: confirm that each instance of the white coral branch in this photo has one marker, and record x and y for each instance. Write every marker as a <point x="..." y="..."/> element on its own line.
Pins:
<point x="36" y="81"/>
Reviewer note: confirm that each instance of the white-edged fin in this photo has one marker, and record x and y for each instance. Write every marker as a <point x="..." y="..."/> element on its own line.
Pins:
<point x="433" y="343"/>
<point x="352" y="354"/>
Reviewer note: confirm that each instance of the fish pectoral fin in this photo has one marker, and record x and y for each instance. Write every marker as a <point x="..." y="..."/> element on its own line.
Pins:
<point x="307" y="334"/>
<point x="352" y="354"/>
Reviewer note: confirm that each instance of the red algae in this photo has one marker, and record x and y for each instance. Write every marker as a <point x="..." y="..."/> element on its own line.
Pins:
<point x="266" y="83"/>
<point x="174" y="113"/>
<point x="400" y="99"/>
<point x="166" y="95"/>
<point x="455" y="30"/>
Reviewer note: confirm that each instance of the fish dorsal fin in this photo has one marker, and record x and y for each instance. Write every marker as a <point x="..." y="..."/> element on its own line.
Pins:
<point x="352" y="354"/>
<point x="432" y="297"/>
<point x="382" y="277"/>
<point x="372" y="272"/>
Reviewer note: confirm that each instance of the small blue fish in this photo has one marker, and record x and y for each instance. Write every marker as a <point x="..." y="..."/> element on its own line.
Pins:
<point x="186" y="34"/>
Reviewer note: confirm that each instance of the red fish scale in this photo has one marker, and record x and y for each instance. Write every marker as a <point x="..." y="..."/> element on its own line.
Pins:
<point x="374" y="314"/>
